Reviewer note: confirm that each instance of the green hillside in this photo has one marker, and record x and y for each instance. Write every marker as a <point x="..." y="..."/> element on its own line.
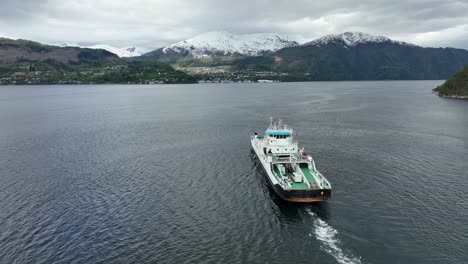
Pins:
<point x="374" y="61"/>
<point x="28" y="62"/>
<point x="455" y="87"/>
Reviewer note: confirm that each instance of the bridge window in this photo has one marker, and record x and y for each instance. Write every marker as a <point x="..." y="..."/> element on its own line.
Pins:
<point x="280" y="136"/>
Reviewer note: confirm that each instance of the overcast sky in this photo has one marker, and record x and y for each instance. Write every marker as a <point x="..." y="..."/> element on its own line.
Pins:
<point x="154" y="23"/>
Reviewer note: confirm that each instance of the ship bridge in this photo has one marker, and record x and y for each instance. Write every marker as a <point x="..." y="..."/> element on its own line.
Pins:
<point x="279" y="139"/>
<point x="279" y="133"/>
<point x="278" y="130"/>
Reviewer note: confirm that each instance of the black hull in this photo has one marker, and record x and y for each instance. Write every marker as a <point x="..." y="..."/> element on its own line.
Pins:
<point x="299" y="196"/>
<point x="302" y="196"/>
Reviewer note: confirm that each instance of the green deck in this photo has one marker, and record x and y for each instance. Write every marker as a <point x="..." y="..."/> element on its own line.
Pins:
<point x="294" y="185"/>
<point x="307" y="173"/>
<point x="299" y="186"/>
<point x="277" y="172"/>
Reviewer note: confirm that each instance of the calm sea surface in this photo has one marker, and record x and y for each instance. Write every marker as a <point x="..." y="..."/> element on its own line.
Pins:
<point x="164" y="174"/>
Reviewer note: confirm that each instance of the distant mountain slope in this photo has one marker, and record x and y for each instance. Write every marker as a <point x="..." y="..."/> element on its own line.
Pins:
<point x="351" y="39"/>
<point x="358" y="56"/>
<point x="121" y="52"/>
<point x="456" y="86"/>
<point x="28" y="62"/>
<point x="13" y="50"/>
<point x="222" y="43"/>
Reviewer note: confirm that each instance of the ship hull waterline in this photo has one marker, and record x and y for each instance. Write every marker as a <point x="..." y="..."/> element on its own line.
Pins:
<point x="297" y="196"/>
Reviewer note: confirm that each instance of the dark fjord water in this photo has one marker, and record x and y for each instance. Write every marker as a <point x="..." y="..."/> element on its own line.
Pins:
<point x="164" y="174"/>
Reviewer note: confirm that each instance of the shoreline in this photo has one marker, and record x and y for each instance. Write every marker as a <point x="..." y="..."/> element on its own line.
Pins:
<point x="461" y="97"/>
<point x="198" y="82"/>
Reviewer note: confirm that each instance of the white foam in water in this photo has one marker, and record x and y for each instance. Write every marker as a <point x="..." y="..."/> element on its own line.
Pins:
<point x="330" y="243"/>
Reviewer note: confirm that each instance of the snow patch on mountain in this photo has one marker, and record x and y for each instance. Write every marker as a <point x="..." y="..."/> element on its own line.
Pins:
<point x="351" y="39"/>
<point x="225" y="43"/>
<point x="121" y="52"/>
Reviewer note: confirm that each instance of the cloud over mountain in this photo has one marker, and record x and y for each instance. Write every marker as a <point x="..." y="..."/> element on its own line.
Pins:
<point x="153" y="24"/>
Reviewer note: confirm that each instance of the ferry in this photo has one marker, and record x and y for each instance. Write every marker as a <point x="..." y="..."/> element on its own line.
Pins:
<point x="291" y="171"/>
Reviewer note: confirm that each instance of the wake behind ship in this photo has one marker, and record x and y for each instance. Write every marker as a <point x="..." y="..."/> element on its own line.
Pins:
<point x="291" y="172"/>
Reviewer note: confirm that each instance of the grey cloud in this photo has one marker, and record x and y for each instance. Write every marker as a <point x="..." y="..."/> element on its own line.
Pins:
<point x="152" y="24"/>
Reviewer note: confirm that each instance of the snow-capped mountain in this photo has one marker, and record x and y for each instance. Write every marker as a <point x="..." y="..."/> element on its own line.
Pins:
<point x="225" y="43"/>
<point x="351" y="39"/>
<point x="121" y="52"/>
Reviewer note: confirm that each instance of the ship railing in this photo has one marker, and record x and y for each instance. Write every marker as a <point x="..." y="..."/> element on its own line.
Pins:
<point x="290" y="159"/>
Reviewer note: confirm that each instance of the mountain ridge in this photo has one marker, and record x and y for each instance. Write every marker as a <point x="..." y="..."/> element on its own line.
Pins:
<point x="12" y="50"/>
<point x="224" y="43"/>
<point x="345" y="56"/>
<point x="366" y="61"/>
<point x="352" y="39"/>
<point x="124" y="52"/>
